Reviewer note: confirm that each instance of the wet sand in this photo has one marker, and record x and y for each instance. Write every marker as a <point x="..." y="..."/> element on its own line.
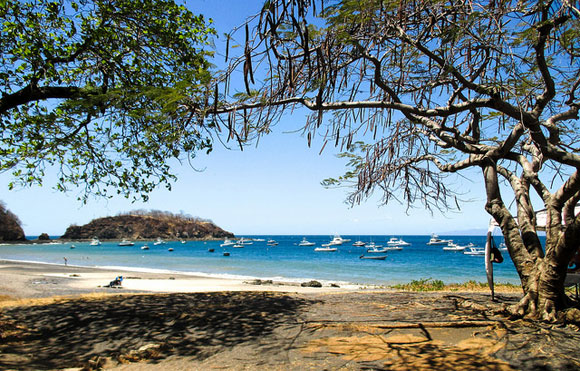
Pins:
<point x="55" y="317"/>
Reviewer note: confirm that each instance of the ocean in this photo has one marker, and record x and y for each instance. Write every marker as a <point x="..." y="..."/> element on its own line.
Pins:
<point x="285" y="262"/>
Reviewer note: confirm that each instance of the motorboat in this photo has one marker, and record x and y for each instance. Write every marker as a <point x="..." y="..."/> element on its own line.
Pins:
<point x="159" y="241"/>
<point x="243" y="241"/>
<point x="272" y="243"/>
<point x="503" y="247"/>
<point x="170" y="249"/>
<point x="259" y="240"/>
<point x="227" y="242"/>
<point x="95" y="242"/>
<point x="435" y="240"/>
<point x="372" y="245"/>
<point x="326" y="248"/>
<point x="126" y="243"/>
<point x="394" y="241"/>
<point x="238" y="246"/>
<point x="377" y="249"/>
<point x="226" y="253"/>
<point x="393" y="248"/>
<point x="474" y="251"/>
<point x="305" y="242"/>
<point x="453" y="247"/>
<point x="72" y="246"/>
<point x="144" y="247"/>
<point x="359" y="244"/>
<point x="374" y="257"/>
<point x="337" y="240"/>
<point x="183" y="241"/>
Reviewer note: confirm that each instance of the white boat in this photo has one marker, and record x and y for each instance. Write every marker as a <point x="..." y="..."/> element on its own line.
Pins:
<point x="159" y="241"/>
<point x="503" y="247"/>
<point x="453" y="247"/>
<point x="359" y="244"/>
<point x="227" y="242"/>
<point x="238" y="246"/>
<point x="272" y="243"/>
<point x="183" y="241"/>
<point x="259" y="240"/>
<point x="377" y="249"/>
<point x="144" y="247"/>
<point x="170" y="249"/>
<point x="72" y="246"/>
<point x="435" y="240"/>
<point x="326" y="248"/>
<point x="305" y="242"/>
<point x="394" y="241"/>
<point x="474" y="251"/>
<point x="372" y="245"/>
<point x="337" y="240"/>
<point x="243" y="241"/>
<point x="126" y="243"/>
<point x="95" y="242"/>
<point x="374" y="257"/>
<point x="393" y="248"/>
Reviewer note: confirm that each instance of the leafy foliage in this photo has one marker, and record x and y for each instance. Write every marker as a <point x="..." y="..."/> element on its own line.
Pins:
<point x="100" y="90"/>
<point x="433" y="88"/>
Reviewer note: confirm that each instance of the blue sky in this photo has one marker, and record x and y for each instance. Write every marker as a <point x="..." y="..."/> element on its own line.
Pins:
<point x="272" y="189"/>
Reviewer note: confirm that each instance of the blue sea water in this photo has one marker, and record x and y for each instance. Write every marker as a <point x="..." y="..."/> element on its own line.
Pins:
<point x="286" y="261"/>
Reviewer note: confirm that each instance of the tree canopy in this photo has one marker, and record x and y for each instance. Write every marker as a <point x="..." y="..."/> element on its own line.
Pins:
<point x="414" y="90"/>
<point x="101" y="91"/>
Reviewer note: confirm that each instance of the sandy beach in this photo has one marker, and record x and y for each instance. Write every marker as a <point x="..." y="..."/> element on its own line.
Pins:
<point x="23" y="280"/>
<point x="56" y="317"/>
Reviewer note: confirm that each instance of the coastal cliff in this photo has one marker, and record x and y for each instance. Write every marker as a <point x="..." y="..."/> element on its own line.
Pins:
<point x="147" y="225"/>
<point x="10" y="229"/>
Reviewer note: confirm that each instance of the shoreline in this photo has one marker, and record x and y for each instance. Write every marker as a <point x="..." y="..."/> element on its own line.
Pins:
<point x="21" y="280"/>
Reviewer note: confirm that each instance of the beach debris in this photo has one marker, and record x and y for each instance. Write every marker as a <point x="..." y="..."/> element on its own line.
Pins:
<point x="147" y="351"/>
<point x="334" y="285"/>
<point x="312" y="283"/>
<point x="260" y="282"/>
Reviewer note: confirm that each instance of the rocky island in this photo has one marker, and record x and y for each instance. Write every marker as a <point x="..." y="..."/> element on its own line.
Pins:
<point x="140" y="225"/>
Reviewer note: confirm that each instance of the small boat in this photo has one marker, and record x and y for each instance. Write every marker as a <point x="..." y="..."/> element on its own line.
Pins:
<point x="126" y="243"/>
<point x="453" y="247"/>
<point x="394" y="241"/>
<point x="374" y="257"/>
<point x="305" y="242"/>
<point x="272" y="243"/>
<point x="243" y="241"/>
<point x="238" y="246"/>
<point x="372" y="246"/>
<point x="359" y="244"/>
<point x="258" y="240"/>
<point x="326" y="248"/>
<point x="144" y="247"/>
<point x="170" y="249"/>
<point x="393" y="248"/>
<point x="503" y="247"/>
<point x="95" y="242"/>
<point x="210" y="250"/>
<point x="227" y="242"/>
<point x="159" y="241"/>
<point x="183" y="241"/>
<point x="435" y="240"/>
<point x="226" y="254"/>
<point x="377" y="249"/>
<point x="474" y="251"/>
<point x="337" y="240"/>
<point x="72" y="246"/>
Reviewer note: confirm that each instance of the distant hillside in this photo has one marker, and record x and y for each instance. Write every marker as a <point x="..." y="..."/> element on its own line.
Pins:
<point x="146" y="225"/>
<point x="10" y="229"/>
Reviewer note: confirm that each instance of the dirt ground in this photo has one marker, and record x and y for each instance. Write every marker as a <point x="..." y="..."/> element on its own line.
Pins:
<point x="369" y="330"/>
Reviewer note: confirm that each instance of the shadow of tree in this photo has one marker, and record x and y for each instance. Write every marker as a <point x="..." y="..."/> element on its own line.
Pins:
<point x="70" y="333"/>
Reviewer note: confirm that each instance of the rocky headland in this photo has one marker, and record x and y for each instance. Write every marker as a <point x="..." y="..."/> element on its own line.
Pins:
<point x="10" y="228"/>
<point x="147" y="225"/>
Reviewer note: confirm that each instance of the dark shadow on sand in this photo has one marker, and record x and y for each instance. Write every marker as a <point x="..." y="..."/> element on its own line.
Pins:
<point x="70" y="333"/>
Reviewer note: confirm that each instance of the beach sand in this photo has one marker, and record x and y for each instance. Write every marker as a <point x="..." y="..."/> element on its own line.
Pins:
<point x="57" y="317"/>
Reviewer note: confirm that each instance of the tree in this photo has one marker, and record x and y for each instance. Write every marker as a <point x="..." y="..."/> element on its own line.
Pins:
<point x="439" y="87"/>
<point x="100" y="90"/>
